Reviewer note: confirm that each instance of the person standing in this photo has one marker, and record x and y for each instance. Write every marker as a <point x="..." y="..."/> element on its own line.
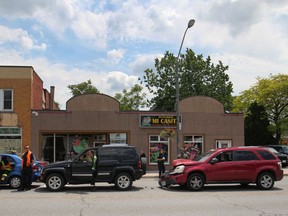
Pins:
<point x="26" y="169"/>
<point x="94" y="167"/>
<point x="143" y="162"/>
<point x="161" y="161"/>
<point x="5" y="169"/>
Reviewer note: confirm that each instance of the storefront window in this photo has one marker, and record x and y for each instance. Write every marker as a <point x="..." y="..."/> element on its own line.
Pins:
<point x="118" y="138"/>
<point x="53" y="148"/>
<point x="155" y="144"/>
<point x="193" y="145"/>
<point x="10" y="140"/>
<point x="223" y="143"/>
<point x="58" y="147"/>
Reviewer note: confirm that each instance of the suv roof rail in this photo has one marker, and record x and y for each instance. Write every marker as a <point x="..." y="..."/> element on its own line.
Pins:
<point x="116" y="145"/>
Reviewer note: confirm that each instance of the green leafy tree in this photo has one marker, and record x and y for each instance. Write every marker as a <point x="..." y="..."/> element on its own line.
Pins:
<point x="83" y="88"/>
<point x="197" y="76"/>
<point x="256" y="126"/>
<point x="133" y="99"/>
<point x="272" y="94"/>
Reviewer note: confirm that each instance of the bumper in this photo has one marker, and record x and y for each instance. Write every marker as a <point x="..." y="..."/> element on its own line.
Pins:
<point x="138" y="174"/>
<point x="170" y="179"/>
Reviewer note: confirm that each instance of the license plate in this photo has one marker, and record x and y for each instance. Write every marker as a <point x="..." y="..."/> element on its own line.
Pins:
<point x="163" y="183"/>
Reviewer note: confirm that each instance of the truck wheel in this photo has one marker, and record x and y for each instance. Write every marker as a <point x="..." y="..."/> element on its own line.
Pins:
<point x="195" y="182"/>
<point x="123" y="181"/>
<point x="15" y="182"/>
<point x="55" y="182"/>
<point x="265" y="181"/>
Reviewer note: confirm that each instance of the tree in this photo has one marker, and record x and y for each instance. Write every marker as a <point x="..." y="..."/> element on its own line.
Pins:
<point x="197" y="76"/>
<point x="256" y="126"/>
<point x="132" y="100"/>
<point x="272" y="94"/>
<point x="83" y="88"/>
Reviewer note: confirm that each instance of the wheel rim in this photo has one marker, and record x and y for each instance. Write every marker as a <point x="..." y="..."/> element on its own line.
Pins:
<point x="15" y="182"/>
<point x="266" y="181"/>
<point x="54" y="182"/>
<point x="123" y="182"/>
<point x="196" y="182"/>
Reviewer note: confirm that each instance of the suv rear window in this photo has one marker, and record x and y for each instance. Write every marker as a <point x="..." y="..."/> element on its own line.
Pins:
<point x="266" y="155"/>
<point x="127" y="154"/>
<point x="245" y="156"/>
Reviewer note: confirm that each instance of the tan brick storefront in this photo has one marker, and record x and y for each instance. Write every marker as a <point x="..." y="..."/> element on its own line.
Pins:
<point x="95" y="119"/>
<point x="27" y="88"/>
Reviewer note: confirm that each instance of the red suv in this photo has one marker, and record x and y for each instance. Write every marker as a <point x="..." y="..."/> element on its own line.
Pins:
<point x="242" y="165"/>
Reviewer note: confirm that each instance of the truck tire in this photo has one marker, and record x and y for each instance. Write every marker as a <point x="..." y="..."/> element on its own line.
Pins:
<point x="55" y="182"/>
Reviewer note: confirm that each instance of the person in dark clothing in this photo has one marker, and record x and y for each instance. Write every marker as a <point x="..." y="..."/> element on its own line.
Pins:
<point x="26" y="169"/>
<point x="143" y="161"/>
<point x="161" y="161"/>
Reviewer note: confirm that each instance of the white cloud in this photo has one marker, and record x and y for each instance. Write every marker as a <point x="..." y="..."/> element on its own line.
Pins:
<point x="115" y="55"/>
<point x="143" y="62"/>
<point x="112" y="38"/>
<point x="19" y="36"/>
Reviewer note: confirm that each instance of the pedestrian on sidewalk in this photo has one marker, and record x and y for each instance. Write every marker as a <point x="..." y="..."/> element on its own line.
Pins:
<point x="26" y="169"/>
<point x="161" y="160"/>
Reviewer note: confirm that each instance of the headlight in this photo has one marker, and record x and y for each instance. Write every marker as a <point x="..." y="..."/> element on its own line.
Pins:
<point x="179" y="169"/>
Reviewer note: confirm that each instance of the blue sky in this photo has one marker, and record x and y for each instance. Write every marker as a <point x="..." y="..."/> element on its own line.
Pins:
<point x="113" y="42"/>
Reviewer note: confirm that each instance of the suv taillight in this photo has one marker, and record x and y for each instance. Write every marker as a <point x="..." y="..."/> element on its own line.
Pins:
<point x="34" y="168"/>
<point x="139" y="164"/>
<point x="280" y="164"/>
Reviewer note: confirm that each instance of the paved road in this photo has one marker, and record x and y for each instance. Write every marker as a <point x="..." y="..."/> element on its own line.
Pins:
<point x="146" y="198"/>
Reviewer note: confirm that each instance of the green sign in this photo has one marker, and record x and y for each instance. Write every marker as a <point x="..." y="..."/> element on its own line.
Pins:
<point x="12" y="131"/>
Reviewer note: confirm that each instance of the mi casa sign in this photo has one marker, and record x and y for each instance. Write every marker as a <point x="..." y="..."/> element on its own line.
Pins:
<point x="158" y="121"/>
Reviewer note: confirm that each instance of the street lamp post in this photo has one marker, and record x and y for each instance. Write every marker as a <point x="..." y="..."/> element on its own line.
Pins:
<point x="190" y="24"/>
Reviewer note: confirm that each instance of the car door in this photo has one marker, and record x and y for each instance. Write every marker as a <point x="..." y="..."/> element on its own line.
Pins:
<point x="81" y="167"/>
<point x="222" y="170"/>
<point x="107" y="160"/>
<point x="245" y="165"/>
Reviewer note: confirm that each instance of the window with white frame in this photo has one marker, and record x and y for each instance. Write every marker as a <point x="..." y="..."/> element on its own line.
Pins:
<point x="223" y="143"/>
<point x="6" y="99"/>
<point x="156" y="143"/>
<point x="194" y="144"/>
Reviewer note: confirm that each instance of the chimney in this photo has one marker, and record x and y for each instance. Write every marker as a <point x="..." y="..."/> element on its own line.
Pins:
<point x="51" y="100"/>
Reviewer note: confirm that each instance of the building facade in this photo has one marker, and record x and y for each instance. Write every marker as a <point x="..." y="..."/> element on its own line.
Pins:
<point x="95" y="119"/>
<point x="29" y="115"/>
<point x="21" y="91"/>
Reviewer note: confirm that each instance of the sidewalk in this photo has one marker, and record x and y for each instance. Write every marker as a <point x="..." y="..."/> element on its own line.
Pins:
<point x="154" y="174"/>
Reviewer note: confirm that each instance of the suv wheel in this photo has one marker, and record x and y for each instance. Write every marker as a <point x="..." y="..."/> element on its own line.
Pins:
<point x="195" y="182"/>
<point x="15" y="182"/>
<point x="265" y="181"/>
<point x="123" y="181"/>
<point x="55" y="182"/>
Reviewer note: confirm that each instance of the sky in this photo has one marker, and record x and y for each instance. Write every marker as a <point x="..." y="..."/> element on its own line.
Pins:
<point x="112" y="42"/>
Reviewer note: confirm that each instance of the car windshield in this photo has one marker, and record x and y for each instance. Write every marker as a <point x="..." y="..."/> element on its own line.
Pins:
<point x="285" y="148"/>
<point x="204" y="156"/>
<point x="272" y="150"/>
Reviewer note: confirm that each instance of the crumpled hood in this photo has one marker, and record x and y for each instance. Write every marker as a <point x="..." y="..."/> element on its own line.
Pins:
<point x="186" y="162"/>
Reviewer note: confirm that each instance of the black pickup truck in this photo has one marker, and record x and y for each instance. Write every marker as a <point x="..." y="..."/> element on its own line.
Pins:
<point x="114" y="163"/>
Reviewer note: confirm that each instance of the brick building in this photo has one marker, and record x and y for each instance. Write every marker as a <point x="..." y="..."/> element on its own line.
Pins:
<point x="28" y="115"/>
<point x="95" y="119"/>
<point x="21" y="91"/>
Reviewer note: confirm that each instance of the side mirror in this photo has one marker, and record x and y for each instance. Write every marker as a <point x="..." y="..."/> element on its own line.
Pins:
<point x="214" y="160"/>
